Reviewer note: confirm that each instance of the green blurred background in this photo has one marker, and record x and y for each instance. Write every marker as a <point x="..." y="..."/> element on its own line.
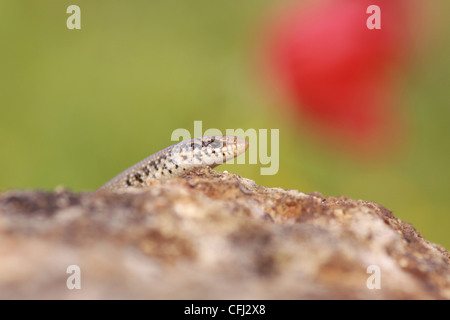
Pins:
<point x="78" y="107"/>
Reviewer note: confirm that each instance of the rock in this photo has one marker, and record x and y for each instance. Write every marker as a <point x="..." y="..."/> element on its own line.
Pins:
<point x="212" y="235"/>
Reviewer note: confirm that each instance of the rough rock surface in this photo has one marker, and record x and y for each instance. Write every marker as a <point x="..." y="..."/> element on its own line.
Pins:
<point x="212" y="235"/>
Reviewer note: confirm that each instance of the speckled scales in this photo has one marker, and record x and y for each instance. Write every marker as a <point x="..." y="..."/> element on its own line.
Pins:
<point x="178" y="160"/>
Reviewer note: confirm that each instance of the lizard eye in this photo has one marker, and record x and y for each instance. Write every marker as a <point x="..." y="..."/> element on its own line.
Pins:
<point x="215" y="144"/>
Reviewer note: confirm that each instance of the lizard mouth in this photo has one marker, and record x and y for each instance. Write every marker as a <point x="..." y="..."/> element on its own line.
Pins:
<point x="238" y="145"/>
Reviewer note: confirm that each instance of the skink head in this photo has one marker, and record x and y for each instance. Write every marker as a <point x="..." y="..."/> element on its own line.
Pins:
<point x="210" y="150"/>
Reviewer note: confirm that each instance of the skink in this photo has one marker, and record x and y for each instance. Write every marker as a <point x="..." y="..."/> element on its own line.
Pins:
<point x="178" y="160"/>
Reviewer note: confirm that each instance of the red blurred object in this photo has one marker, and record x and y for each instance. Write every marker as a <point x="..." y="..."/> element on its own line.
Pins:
<point x="338" y="73"/>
